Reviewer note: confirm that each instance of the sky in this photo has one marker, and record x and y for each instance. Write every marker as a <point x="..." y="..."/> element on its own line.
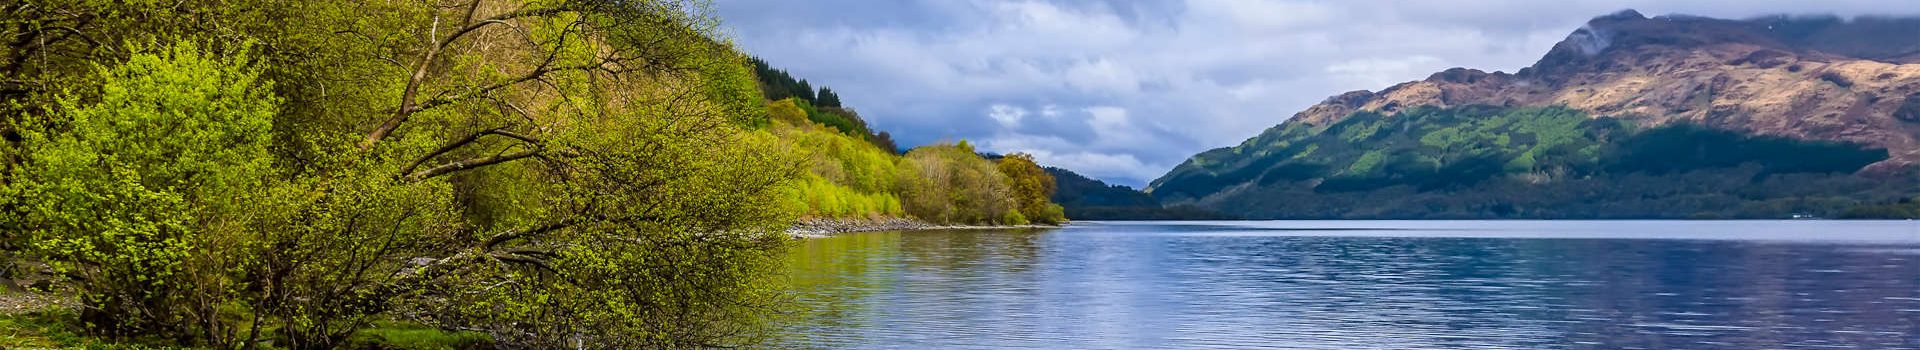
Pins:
<point x="1124" y="90"/>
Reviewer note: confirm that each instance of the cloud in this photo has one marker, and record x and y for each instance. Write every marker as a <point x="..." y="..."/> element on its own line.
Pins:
<point x="1124" y="90"/>
<point x="1378" y="71"/>
<point x="1007" y="116"/>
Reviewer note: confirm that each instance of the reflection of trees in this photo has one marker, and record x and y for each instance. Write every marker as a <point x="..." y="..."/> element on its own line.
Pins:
<point x="973" y="253"/>
<point x="833" y="278"/>
<point x="846" y="282"/>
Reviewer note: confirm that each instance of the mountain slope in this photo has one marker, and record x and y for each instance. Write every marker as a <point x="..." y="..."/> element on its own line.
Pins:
<point x="1810" y="78"/>
<point x="1628" y="117"/>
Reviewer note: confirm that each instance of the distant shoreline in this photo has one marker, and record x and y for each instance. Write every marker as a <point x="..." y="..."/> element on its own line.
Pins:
<point x="822" y="228"/>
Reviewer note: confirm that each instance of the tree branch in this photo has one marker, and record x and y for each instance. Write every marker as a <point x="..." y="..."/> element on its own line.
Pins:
<point x="407" y="106"/>
<point x="450" y="147"/>
<point x="470" y="164"/>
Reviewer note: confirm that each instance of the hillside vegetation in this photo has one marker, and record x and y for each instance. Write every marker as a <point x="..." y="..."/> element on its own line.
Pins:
<point x="849" y="178"/>
<point x="1477" y="162"/>
<point x="1089" y="199"/>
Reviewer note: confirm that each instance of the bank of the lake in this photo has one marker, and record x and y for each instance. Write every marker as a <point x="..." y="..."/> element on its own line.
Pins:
<point x="821" y="228"/>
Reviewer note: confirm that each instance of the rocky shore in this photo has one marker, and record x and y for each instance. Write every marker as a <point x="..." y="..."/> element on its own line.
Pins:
<point x="818" y="228"/>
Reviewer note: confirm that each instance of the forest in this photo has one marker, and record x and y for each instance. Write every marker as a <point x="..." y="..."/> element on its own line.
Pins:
<point x="1089" y="199"/>
<point x="513" y="173"/>
<point x="1493" y="162"/>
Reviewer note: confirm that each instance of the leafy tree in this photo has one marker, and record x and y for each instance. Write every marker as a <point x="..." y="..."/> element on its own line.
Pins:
<point x="1032" y="188"/>
<point x="128" y="191"/>
<point x="952" y="184"/>
<point x="556" y="174"/>
<point x="486" y="165"/>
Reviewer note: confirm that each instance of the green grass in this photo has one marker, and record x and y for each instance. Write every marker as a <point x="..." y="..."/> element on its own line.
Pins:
<point x="53" y="328"/>
<point x="413" y="336"/>
<point x="59" y="328"/>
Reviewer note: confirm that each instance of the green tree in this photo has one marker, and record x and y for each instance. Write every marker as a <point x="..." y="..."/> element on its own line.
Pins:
<point x="951" y="184"/>
<point x="129" y="191"/>
<point x="1032" y="188"/>
<point x="487" y="165"/>
<point x="828" y="98"/>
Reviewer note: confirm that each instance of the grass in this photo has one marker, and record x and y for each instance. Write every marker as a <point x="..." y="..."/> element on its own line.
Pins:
<point x="56" y="327"/>
<point x="51" y="328"/>
<point x="414" y="336"/>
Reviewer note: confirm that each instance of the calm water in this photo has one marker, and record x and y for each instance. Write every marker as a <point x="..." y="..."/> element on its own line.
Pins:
<point x="1368" y="284"/>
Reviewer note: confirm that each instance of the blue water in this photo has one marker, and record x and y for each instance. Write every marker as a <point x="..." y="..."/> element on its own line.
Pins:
<point x="1367" y="285"/>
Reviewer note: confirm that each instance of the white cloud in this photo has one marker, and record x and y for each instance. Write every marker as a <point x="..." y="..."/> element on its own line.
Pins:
<point x="1103" y="76"/>
<point x="1265" y="15"/>
<point x="1376" y="71"/>
<point x="1007" y="116"/>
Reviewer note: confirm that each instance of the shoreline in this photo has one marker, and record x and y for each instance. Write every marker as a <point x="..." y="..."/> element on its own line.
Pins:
<point x="823" y="228"/>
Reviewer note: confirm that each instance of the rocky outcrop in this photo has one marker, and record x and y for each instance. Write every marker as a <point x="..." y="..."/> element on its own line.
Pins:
<point x="1817" y="78"/>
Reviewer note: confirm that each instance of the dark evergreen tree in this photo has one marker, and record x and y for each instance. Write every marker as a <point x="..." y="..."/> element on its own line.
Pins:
<point x="828" y="98"/>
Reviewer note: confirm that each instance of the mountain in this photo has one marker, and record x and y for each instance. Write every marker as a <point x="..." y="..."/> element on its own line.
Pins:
<point x="1629" y="116"/>
<point x="1089" y="199"/>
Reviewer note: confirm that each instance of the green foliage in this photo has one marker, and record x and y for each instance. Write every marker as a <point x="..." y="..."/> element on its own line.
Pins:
<point x="846" y="121"/>
<point x="1082" y="198"/>
<point x="824" y="107"/>
<point x="1032" y="189"/>
<point x="1905" y="208"/>
<point x="847" y="178"/>
<point x="828" y="98"/>
<point x="1075" y="190"/>
<point x="504" y="178"/>
<point x="161" y="165"/>
<point x="551" y="174"/>
<point x="777" y="84"/>
<point x="951" y="184"/>
<point x="1687" y="147"/>
<point x="408" y="336"/>
<point x="1367" y="164"/>
<point x="1519" y="162"/>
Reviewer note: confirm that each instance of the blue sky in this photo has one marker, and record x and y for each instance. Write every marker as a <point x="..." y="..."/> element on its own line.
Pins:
<point x="1125" y="90"/>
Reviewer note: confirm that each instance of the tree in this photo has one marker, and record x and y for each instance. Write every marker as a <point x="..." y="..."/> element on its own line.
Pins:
<point x="130" y="190"/>
<point x="484" y="164"/>
<point x="951" y="184"/>
<point x="828" y="98"/>
<point x="1032" y="188"/>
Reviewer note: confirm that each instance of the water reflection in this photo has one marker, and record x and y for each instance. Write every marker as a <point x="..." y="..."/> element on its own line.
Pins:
<point x="1202" y="286"/>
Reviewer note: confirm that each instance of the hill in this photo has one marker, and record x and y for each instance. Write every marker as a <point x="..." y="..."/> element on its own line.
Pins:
<point x="1629" y="117"/>
<point x="1089" y="199"/>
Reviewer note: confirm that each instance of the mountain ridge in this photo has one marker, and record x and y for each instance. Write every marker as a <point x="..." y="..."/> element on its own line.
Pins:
<point x="1779" y="75"/>
<point x="1836" y="100"/>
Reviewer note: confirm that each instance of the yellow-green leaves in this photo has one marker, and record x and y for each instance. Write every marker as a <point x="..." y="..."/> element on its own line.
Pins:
<point x="127" y="179"/>
<point x="951" y="184"/>
<point x="1032" y="189"/>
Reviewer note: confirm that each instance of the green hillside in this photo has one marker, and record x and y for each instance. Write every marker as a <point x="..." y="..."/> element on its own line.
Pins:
<point x="1089" y="199"/>
<point x="1487" y="162"/>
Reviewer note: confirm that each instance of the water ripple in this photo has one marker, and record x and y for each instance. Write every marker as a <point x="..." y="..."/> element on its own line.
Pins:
<point x="1526" y="285"/>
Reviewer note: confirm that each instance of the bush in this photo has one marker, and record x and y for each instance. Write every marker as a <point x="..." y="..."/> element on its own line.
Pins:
<point x="134" y="192"/>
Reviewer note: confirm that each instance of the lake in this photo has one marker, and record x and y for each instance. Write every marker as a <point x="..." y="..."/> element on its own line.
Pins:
<point x="1367" y="284"/>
